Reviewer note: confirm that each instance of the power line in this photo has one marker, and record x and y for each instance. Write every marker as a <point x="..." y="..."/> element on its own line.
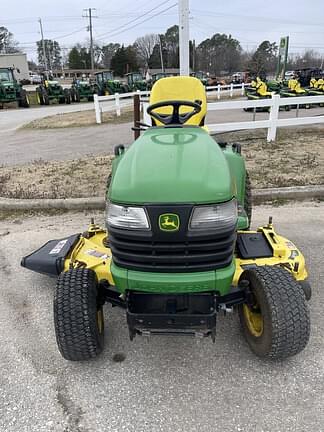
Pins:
<point x="137" y="24"/>
<point x="135" y="19"/>
<point x="256" y="18"/>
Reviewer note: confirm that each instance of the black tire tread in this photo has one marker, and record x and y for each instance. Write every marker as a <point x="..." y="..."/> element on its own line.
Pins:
<point x="290" y="326"/>
<point x="75" y="309"/>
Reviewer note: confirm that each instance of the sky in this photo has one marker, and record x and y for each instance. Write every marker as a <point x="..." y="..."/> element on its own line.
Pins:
<point x="249" y="21"/>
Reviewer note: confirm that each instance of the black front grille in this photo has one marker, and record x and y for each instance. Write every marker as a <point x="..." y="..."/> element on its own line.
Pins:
<point x="157" y="251"/>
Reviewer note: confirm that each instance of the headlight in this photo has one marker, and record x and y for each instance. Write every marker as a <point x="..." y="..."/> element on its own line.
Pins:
<point x="127" y="217"/>
<point x="218" y="217"/>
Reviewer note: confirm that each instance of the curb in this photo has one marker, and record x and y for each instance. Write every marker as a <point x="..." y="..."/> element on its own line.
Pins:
<point x="298" y="193"/>
<point x="295" y="193"/>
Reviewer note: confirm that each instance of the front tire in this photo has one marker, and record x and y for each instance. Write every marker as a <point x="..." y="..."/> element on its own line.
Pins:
<point x="78" y="315"/>
<point x="277" y="323"/>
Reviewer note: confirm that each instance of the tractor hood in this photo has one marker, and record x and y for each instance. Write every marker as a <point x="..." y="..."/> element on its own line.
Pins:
<point x="172" y="165"/>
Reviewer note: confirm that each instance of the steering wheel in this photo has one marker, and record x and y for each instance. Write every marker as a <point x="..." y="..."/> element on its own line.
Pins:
<point x="175" y="117"/>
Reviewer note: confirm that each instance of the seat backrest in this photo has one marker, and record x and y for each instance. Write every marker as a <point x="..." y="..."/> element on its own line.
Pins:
<point x="180" y="88"/>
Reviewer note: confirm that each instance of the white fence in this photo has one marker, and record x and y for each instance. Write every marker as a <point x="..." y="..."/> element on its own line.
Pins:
<point x="272" y="123"/>
<point x="220" y="90"/>
<point x="117" y="106"/>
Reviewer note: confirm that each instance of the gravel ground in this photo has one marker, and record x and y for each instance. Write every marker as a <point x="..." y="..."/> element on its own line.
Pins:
<point x="164" y="384"/>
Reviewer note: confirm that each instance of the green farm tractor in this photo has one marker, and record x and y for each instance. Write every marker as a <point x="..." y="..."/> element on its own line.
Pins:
<point x="201" y="76"/>
<point x="51" y="91"/>
<point x="136" y="81"/>
<point x="10" y="90"/>
<point x="177" y="249"/>
<point x="107" y="85"/>
<point x="81" y="90"/>
<point x="156" y="77"/>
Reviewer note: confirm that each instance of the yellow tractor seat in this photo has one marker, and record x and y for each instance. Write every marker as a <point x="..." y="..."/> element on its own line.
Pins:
<point x="180" y="88"/>
<point x="294" y="85"/>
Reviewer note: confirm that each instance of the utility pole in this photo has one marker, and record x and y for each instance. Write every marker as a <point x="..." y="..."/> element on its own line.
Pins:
<point x="184" y="37"/>
<point x="194" y="55"/>
<point x="88" y="14"/>
<point x="43" y="45"/>
<point x="161" y="54"/>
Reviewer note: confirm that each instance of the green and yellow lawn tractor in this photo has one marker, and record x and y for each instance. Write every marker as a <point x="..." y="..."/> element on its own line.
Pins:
<point x="107" y="85"/>
<point x="51" y="91"/>
<point x="177" y="249"/>
<point x="10" y="90"/>
<point x="316" y="88"/>
<point x="260" y="89"/>
<point x="135" y="81"/>
<point x="81" y="90"/>
<point x="293" y="88"/>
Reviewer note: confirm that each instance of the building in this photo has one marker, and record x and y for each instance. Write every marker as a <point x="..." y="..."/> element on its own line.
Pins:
<point x="18" y="61"/>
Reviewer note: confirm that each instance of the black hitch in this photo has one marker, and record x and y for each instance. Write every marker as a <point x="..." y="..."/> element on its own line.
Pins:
<point x="171" y="314"/>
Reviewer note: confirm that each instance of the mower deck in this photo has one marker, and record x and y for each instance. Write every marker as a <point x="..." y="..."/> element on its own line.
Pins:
<point x="150" y="313"/>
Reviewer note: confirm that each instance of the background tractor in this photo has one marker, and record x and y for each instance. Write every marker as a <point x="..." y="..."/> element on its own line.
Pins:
<point x="107" y="85"/>
<point x="158" y="76"/>
<point x="201" y="76"/>
<point x="82" y="90"/>
<point x="10" y="90"/>
<point x="52" y="91"/>
<point x="135" y="81"/>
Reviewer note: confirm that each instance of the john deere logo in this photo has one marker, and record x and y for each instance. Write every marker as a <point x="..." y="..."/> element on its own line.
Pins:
<point x="169" y="222"/>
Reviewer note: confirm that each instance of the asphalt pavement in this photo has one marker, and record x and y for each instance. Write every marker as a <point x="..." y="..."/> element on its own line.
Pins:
<point x="163" y="384"/>
<point x="20" y="146"/>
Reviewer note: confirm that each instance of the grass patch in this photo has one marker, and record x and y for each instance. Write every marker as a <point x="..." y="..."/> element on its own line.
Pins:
<point x="79" y="119"/>
<point x="296" y="159"/>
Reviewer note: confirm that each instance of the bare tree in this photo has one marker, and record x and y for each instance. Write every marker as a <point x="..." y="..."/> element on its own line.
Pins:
<point x="7" y="43"/>
<point x="144" y="46"/>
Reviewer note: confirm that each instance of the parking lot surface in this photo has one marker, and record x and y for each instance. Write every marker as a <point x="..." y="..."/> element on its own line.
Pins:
<point x="163" y="384"/>
<point x="26" y="145"/>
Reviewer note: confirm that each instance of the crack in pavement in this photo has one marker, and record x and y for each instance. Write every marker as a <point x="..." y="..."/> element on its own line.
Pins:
<point x="74" y="414"/>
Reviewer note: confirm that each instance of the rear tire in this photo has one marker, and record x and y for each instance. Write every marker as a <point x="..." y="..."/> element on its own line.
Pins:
<point x="67" y="95"/>
<point x="45" y="97"/>
<point x="277" y="325"/>
<point x="24" y="99"/>
<point x="78" y="315"/>
<point x="39" y="97"/>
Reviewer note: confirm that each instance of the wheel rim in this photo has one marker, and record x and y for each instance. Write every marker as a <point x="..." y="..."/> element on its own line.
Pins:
<point x="100" y="320"/>
<point x="253" y="319"/>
